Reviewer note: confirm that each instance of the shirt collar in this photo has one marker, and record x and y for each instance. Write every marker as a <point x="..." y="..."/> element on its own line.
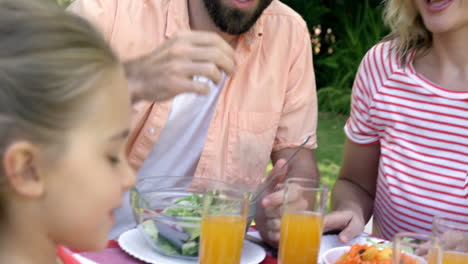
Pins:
<point x="177" y="17"/>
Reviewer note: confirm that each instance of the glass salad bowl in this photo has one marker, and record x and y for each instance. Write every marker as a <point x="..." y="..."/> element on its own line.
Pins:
<point x="168" y="211"/>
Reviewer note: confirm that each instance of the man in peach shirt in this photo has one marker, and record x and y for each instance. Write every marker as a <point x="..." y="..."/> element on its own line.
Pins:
<point x="252" y="59"/>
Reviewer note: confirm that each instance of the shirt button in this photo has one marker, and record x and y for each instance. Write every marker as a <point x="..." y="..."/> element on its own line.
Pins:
<point x="152" y="131"/>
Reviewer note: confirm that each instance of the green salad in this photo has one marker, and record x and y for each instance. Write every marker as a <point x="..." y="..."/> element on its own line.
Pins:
<point x="175" y="235"/>
<point x="177" y="231"/>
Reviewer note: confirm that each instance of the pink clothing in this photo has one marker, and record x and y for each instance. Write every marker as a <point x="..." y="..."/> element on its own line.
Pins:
<point x="423" y="134"/>
<point x="268" y="105"/>
<point x="66" y="256"/>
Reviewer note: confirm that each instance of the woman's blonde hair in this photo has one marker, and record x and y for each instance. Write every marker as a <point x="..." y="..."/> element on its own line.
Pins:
<point x="51" y="63"/>
<point x="407" y="28"/>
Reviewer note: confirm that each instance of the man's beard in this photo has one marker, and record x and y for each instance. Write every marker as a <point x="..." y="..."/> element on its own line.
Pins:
<point x="234" y="21"/>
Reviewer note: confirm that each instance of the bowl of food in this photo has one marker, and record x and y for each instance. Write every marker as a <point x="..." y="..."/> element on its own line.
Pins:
<point x="366" y="254"/>
<point x="168" y="211"/>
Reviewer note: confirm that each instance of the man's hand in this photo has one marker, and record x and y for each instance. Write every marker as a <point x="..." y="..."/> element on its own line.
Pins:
<point x="268" y="210"/>
<point x="268" y="214"/>
<point x="269" y="224"/>
<point x="169" y="70"/>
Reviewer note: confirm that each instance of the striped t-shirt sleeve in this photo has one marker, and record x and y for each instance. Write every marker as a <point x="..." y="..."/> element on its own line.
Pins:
<point x="359" y="128"/>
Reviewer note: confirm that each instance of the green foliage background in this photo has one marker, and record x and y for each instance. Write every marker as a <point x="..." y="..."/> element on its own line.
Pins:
<point x="355" y="26"/>
<point x="64" y="2"/>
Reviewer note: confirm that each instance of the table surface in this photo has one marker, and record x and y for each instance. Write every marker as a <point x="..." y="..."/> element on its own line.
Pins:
<point x="114" y="255"/>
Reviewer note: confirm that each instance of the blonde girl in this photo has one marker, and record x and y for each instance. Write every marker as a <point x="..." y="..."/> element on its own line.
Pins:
<point x="64" y="119"/>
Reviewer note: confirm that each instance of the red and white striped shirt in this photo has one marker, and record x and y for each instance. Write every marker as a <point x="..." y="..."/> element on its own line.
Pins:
<point x="422" y="129"/>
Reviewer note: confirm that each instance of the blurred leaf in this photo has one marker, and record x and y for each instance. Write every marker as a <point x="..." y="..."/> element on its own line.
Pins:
<point x="64" y="3"/>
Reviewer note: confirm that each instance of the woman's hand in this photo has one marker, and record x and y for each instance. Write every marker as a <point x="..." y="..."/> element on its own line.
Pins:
<point x="348" y="222"/>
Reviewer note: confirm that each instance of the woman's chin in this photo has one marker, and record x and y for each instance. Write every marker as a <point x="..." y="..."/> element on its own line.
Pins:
<point x="440" y="27"/>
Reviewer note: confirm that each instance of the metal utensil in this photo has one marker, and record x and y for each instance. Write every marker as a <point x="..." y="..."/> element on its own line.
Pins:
<point x="272" y="178"/>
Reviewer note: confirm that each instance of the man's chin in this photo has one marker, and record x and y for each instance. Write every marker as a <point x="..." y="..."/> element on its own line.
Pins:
<point x="238" y="22"/>
<point x="232" y="20"/>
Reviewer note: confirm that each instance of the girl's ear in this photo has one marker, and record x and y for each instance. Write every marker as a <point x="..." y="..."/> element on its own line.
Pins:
<point x="20" y="163"/>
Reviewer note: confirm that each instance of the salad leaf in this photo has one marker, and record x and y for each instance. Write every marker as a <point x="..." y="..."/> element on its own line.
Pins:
<point x="188" y="206"/>
<point x="175" y="234"/>
<point x="166" y="246"/>
<point x="150" y="229"/>
<point x="379" y="244"/>
<point x="190" y="248"/>
<point x="193" y="200"/>
<point x="174" y="238"/>
<point x="387" y="244"/>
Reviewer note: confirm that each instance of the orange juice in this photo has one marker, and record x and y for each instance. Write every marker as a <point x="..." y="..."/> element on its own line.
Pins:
<point x="300" y="237"/>
<point x="221" y="239"/>
<point x="432" y="256"/>
<point x="455" y="258"/>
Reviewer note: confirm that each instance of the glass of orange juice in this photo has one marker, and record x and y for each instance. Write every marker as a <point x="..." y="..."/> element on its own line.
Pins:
<point x="223" y="224"/>
<point x="453" y="234"/>
<point x="302" y="220"/>
<point x="415" y="248"/>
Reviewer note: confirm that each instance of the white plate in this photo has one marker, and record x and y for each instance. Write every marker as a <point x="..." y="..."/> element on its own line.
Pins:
<point x="332" y="255"/>
<point x="135" y="245"/>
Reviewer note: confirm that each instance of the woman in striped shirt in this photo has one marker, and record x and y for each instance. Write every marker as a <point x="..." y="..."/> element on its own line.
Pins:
<point x="406" y="153"/>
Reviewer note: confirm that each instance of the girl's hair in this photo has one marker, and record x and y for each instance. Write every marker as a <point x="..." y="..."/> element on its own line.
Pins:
<point x="50" y="64"/>
<point x="407" y="28"/>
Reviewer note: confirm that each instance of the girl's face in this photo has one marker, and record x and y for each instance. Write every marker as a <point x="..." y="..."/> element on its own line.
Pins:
<point x="443" y="16"/>
<point x="86" y="184"/>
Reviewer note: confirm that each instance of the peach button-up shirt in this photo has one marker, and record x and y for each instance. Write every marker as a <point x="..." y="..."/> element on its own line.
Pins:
<point x="268" y="105"/>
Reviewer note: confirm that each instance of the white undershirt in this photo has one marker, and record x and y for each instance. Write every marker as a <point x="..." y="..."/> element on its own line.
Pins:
<point x="178" y="149"/>
<point x="179" y="146"/>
